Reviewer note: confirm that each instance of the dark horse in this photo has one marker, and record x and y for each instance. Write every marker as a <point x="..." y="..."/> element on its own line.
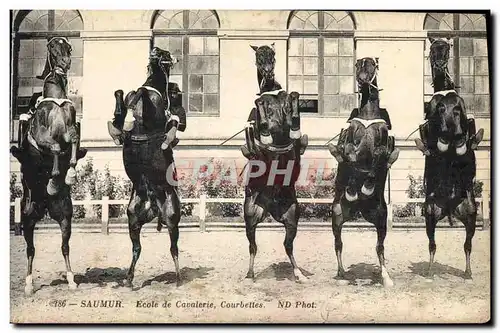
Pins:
<point x="448" y="140"/>
<point x="273" y="141"/>
<point x="362" y="170"/>
<point x="48" y="151"/>
<point x="149" y="166"/>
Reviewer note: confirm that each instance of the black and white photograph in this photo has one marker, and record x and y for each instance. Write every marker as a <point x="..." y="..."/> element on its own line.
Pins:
<point x="258" y="166"/>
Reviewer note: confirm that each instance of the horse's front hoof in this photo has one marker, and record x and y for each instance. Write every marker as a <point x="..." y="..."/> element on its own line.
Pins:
<point x="52" y="188"/>
<point x="70" y="177"/>
<point x="28" y="290"/>
<point x="299" y="277"/>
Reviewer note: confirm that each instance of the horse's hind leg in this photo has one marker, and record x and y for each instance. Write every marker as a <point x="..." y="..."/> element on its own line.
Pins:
<point x="134" y="229"/>
<point x="381" y="233"/>
<point x="29" y="228"/>
<point x="337" y="222"/>
<point x="253" y="215"/>
<point x="431" y="217"/>
<point x="61" y="210"/>
<point x="466" y="211"/>
<point x="171" y="212"/>
<point x="291" y="219"/>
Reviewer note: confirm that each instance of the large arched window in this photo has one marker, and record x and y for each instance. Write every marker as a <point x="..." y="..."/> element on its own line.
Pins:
<point x="32" y="29"/>
<point x="191" y="36"/>
<point x="321" y="61"/>
<point x="468" y="63"/>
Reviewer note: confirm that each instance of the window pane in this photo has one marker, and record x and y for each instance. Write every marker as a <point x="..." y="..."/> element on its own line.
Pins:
<point x="295" y="84"/>
<point x="481" y="105"/>
<point x="346" y="84"/>
<point x="212" y="45"/>
<point x="25" y="87"/>
<point x="310" y="85"/>
<point x="177" y="68"/>
<point x="163" y="43"/>
<point x="296" y="46"/>
<point x="25" y="68"/>
<point x="195" y="102"/>
<point x="295" y="65"/>
<point x="310" y="66"/>
<point x="39" y="64"/>
<point x="195" y="83"/>
<point x="331" y="104"/>
<point x="196" y="45"/>
<point x="211" y="103"/>
<point x="331" y="85"/>
<point x="346" y="66"/>
<point x="466" y="47"/>
<point x="346" y="47"/>
<point x="204" y="64"/>
<point x="465" y="65"/>
<point x="331" y="65"/>
<point x="175" y="46"/>
<point x="427" y="66"/>
<point x="40" y="48"/>
<point x="331" y="46"/>
<point x="25" y="49"/>
<point x="481" y="66"/>
<point x="347" y="103"/>
<point x="211" y="84"/>
<point x="76" y="67"/>
<point x="467" y="84"/>
<point x="310" y="46"/>
<point x="480" y="47"/>
<point x="481" y="85"/>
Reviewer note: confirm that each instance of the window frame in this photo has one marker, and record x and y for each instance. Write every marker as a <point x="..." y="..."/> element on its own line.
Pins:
<point x="321" y="34"/>
<point x="185" y="33"/>
<point x="455" y="36"/>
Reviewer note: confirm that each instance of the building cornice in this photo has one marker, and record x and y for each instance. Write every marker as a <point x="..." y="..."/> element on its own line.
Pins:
<point x="390" y="35"/>
<point x="253" y="34"/>
<point x="117" y="35"/>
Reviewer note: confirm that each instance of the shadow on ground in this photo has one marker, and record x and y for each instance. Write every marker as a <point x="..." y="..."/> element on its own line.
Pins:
<point x="100" y="276"/>
<point x="281" y="271"/>
<point x="187" y="275"/>
<point x="422" y="267"/>
<point x="362" y="274"/>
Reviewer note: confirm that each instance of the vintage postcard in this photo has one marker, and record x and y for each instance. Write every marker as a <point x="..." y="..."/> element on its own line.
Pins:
<point x="250" y="166"/>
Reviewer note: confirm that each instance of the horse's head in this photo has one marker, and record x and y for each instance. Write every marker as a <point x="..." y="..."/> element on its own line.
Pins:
<point x="58" y="57"/>
<point x="366" y="72"/>
<point x="439" y="53"/>
<point x="162" y="59"/>
<point x="265" y="61"/>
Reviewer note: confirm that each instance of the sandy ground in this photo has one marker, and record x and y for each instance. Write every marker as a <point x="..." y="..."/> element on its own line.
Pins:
<point x="214" y="264"/>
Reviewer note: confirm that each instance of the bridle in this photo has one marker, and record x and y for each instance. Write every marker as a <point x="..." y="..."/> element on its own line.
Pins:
<point x="56" y="68"/>
<point x="375" y="74"/>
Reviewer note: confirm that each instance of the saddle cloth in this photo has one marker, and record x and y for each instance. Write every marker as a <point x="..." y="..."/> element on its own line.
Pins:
<point x="368" y="123"/>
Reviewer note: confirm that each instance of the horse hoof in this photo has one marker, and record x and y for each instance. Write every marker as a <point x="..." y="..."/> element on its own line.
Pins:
<point x="468" y="276"/>
<point x="250" y="275"/>
<point x="128" y="284"/>
<point x="350" y="197"/>
<point x="52" y="188"/>
<point x="72" y="286"/>
<point x="266" y="139"/>
<point x="387" y="283"/>
<point x="28" y="290"/>
<point x="128" y="126"/>
<point x="367" y="191"/>
<point x="70" y="177"/>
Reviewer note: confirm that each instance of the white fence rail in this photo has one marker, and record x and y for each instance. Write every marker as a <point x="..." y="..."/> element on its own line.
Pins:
<point x="203" y="200"/>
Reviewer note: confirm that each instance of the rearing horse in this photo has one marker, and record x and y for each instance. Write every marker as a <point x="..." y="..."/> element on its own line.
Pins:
<point x="52" y="136"/>
<point x="273" y="141"/>
<point x="448" y="140"/>
<point x="363" y="166"/>
<point x="144" y="116"/>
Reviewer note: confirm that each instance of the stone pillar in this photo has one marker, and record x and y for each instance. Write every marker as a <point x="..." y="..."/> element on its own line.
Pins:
<point x="113" y="60"/>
